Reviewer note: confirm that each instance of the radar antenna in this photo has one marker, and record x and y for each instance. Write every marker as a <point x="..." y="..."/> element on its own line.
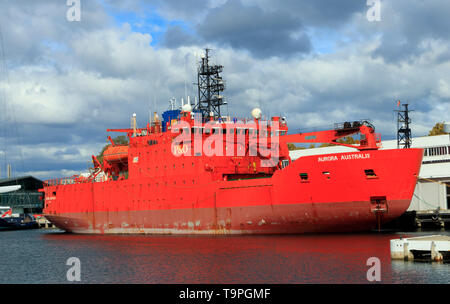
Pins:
<point x="210" y="86"/>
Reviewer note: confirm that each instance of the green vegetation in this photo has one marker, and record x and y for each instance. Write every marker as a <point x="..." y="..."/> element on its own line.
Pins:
<point x="438" y="129"/>
<point x="292" y="147"/>
<point x="349" y="140"/>
<point x="326" y="145"/>
<point x="345" y="140"/>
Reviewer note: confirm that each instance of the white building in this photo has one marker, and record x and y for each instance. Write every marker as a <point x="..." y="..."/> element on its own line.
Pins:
<point x="433" y="187"/>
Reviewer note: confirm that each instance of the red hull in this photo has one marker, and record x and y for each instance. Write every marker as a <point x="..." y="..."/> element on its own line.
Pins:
<point x="338" y="192"/>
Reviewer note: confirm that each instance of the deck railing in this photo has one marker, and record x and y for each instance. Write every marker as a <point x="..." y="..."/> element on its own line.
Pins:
<point x="68" y="181"/>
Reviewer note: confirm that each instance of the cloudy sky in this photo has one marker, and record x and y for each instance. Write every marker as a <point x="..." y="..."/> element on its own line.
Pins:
<point x="63" y="83"/>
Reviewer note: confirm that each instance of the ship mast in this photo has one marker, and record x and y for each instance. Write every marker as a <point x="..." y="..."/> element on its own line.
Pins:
<point x="403" y="129"/>
<point x="210" y="86"/>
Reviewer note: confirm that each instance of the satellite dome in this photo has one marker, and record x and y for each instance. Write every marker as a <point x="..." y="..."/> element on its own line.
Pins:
<point x="256" y="113"/>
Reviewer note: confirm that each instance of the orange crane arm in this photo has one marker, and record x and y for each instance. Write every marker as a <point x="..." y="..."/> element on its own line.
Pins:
<point x="369" y="139"/>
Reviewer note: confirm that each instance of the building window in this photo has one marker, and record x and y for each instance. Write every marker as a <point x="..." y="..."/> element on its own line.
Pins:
<point x="435" y="151"/>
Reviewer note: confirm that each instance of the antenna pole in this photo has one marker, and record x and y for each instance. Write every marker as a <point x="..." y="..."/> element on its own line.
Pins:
<point x="403" y="129"/>
<point x="210" y="86"/>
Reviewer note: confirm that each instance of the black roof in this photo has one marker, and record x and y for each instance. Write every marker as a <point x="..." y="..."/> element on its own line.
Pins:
<point x="28" y="181"/>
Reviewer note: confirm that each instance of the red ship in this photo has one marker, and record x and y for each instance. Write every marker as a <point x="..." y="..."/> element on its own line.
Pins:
<point x="164" y="181"/>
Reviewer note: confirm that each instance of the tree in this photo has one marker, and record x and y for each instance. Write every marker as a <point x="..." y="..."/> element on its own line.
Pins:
<point x="326" y="145"/>
<point x="349" y="140"/>
<point x="292" y="147"/>
<point x="438" y="129"/>
<point x="120" y="140"/>
<point x="344" y="140"/>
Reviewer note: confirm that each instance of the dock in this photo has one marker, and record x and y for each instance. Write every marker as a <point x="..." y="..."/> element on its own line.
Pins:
<point x="424" y="248"/>
<point x="435" y="218"/>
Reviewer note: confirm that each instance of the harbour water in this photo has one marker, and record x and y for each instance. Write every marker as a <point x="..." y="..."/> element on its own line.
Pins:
<point x="40" y="256"/>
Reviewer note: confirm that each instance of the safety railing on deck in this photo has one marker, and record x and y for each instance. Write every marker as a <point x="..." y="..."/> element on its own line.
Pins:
<point x="77" y="179"/>
<point x="68" y="181"/>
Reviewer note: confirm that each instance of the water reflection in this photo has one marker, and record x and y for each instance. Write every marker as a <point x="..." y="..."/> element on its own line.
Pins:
<point x="203" y="259"/>
<point x="420" y="272"/>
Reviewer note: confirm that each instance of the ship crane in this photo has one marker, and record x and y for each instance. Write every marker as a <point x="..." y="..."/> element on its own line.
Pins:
<point x="369" y="139"/>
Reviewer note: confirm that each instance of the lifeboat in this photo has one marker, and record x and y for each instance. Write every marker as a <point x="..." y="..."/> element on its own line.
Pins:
<point x="115" y="154"/>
